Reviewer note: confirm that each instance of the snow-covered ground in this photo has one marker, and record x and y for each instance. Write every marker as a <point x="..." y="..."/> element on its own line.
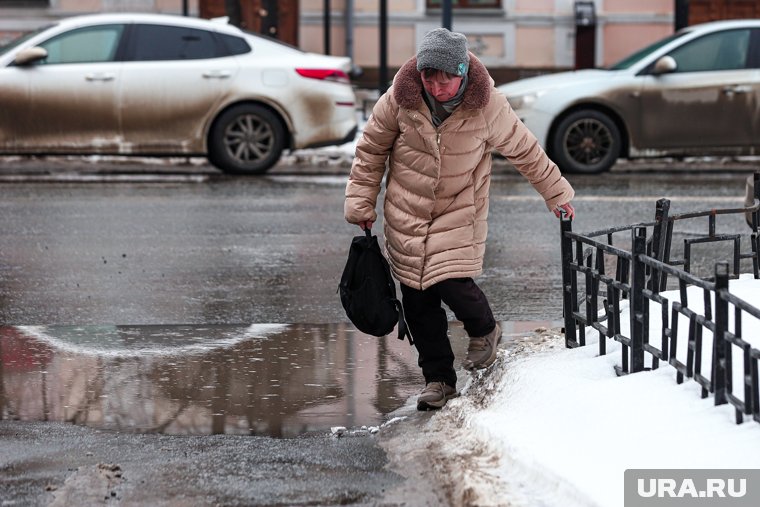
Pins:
<point x="550" y="426"/>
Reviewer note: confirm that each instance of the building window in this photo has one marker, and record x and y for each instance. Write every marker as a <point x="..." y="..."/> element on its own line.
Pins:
<point x="466" y="4"/>
<point x="24" y="3"/>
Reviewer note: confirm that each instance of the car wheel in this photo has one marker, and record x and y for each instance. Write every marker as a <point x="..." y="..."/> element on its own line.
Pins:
<point x="246" y="139"/>
<point x="586" y="141"/>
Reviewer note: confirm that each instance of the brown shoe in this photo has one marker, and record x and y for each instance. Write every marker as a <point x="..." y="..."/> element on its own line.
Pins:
<point x="481" y="353"/>
<point x="435" y="395"/>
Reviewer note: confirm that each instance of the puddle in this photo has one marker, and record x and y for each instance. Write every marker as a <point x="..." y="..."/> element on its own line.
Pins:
<point x="274" y="380"/>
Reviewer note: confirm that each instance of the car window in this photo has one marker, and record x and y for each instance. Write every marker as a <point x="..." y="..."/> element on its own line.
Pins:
<point x="716" y="51"/>
<point x="83" y="45"/>
<point x="753" y="59"/>
<point x="234" y="45"/>
<point x="21" y="39"/>
<point x="161" y="42"/>
<point x="632" y="59"/>
<point x="273" y="40"/>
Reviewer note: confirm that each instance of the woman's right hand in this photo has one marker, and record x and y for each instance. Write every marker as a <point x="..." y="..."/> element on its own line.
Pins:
<point x="367" y="224"/>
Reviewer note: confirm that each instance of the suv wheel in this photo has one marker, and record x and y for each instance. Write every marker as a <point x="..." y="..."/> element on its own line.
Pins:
<point x="586" y="141"/>
<point x="247" y="139"/>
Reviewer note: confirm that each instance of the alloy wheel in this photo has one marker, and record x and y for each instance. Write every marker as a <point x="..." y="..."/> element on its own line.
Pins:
<point x="249" y="138"/>
<point x="588" y="141"/>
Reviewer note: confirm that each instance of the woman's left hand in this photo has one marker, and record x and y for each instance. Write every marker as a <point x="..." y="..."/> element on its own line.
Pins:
<point x="567" y="208"/>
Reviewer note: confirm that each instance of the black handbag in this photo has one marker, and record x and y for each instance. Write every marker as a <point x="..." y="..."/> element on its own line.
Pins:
<point x="368" y="292"/>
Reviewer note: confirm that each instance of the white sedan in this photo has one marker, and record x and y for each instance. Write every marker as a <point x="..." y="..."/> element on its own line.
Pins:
<point x="151" y="84"/>
<point x="695" y="93"/>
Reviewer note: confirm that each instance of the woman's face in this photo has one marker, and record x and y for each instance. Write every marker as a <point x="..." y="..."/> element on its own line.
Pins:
<point x="441" y="85"/>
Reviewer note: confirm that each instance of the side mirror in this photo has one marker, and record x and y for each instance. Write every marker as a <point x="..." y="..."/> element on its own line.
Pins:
<point x="665" y="65"/>
<point x="30" y="55"/>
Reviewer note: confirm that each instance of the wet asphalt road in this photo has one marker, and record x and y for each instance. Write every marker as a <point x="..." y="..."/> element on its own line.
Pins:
<point x="271" y="249"/>
<point x="194" y="247"/>
<point x="71" y="465"/>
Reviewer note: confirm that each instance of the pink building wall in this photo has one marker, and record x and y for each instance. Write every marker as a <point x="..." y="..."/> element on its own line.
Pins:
<point x="620" y="40"/>
<point x="632" y="25"/>
<point x="530" y="34"/>
<point x="534" y="6"/>
<point x="645" y="6"/>
<point x="534" y="46"/>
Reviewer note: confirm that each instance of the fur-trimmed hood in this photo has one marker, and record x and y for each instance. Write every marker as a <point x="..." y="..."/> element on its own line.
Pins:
<point x="407" y="85"/>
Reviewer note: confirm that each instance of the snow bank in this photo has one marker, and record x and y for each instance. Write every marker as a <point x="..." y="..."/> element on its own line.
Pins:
<point x="565" y="427"/>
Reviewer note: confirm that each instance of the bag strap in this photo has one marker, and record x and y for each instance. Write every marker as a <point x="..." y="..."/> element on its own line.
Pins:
<point x="403" y="329"/>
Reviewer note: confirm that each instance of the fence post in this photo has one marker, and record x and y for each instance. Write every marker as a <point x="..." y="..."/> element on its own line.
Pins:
<point x="756" y="196"/>
<point x="638" y="281"/>
<point x="566" y="247"/>
<point x="720" y="345"/>
<point x="754" y="219"/>
<point x="659" y="239"/>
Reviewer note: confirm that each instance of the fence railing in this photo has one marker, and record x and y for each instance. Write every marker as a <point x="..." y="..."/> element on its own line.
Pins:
<point x="715" y="353"/>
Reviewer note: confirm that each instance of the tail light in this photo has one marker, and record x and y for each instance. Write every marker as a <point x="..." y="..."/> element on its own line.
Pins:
<point x="325" y="74"/>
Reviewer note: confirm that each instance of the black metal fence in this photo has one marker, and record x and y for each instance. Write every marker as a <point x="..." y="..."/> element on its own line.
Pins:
<point x="595" y="300"/>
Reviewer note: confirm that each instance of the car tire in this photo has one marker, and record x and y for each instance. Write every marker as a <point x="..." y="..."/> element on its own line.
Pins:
<point x="247" y="139"/>
<point x="586" y="141"/>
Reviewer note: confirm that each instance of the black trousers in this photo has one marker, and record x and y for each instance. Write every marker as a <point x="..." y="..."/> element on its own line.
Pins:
<point x="429" y="326"/>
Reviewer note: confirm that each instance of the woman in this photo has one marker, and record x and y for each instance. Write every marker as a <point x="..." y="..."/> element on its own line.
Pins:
<point x="436" y="128"/>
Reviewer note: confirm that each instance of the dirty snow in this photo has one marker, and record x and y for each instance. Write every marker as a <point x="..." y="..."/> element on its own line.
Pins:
<point x="556" y="426"/>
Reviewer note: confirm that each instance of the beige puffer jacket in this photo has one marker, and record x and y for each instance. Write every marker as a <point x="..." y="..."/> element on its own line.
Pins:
<point x="436" y="199"/>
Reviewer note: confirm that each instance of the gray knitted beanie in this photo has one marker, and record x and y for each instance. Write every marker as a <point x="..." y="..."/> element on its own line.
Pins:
<point x="444" y="50"/>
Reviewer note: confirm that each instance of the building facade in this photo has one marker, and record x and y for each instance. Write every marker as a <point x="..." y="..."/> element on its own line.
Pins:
<point x="514" y="38"/>
<point x="20" y="16"/>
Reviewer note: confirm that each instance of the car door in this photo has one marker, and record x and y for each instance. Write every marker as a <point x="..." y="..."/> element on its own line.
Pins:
<point x="71" y="103"/>
<point x="174" y="80"/>
<point x="709" y="103"/>
<point x="14" y="104"/>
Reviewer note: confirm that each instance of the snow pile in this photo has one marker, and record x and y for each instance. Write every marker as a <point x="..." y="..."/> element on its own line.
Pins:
<point x="565" y="428"/>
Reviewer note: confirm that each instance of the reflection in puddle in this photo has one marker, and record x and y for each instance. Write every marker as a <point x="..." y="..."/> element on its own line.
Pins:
<point x="276" y="380"/>
<point x="263" y="380"/>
